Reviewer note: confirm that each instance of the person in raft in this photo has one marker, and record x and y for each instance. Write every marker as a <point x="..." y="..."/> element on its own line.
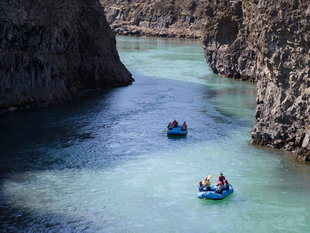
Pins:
<point x="175" y="123"/>
<point x="221" y="178"/>
<point x="169" y="125"/>
<point x="200" y="186"/>
<point x="184" y="126"/>
<point x="226" y="185"/>
<point x="205" y="185"/>
<point x="219" y="188"/>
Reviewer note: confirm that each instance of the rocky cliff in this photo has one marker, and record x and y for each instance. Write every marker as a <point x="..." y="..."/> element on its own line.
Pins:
<point x="50" y="50"/>
<point x="225" y="40"/>
<point x="164" y="18"/>
<point x="267" y="41"/>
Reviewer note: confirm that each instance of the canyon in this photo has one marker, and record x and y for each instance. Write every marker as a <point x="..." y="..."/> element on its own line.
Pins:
<point x="53" y="51"/>
<point x="261" y="41"/>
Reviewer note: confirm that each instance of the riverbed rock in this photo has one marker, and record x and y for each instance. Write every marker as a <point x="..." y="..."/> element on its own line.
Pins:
<point x="267" y="41"/>
<point x="51" y="50"/>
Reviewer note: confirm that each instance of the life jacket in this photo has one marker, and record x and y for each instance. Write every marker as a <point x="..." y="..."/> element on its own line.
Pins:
<point x="206" y="183"/>
<point x="219" y="189"/>
<point x="226" y="185"/>
<point x="221" y="179"/>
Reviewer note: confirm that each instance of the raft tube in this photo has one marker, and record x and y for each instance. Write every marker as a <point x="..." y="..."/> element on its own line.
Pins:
<point x="177" y="131"/>
<point x="215" y="196"/>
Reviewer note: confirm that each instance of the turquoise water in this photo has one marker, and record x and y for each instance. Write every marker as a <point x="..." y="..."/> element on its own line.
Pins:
<point x="102" y="163"/>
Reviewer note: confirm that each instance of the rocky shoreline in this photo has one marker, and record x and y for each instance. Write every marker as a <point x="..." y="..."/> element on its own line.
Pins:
<point x="51" y="51"/>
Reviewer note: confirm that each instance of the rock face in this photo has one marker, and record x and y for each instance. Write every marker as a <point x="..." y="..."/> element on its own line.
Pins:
<point x="225" y="40"/>
<point x="267" y="41"/>
<point x="164" y="18"/>
<point x="283" y="98"/>
<point x="50" y="50"/>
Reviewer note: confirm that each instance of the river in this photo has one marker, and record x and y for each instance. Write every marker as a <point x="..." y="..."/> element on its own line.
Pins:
<point x="102" y="163"/>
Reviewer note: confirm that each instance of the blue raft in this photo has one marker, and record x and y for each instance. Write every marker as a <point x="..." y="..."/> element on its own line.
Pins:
<point x="215" y="196"/>
<point x="177" y="131"/>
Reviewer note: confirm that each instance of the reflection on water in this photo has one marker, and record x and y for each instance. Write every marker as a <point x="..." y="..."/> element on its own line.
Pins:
<point x="103" y="164"/>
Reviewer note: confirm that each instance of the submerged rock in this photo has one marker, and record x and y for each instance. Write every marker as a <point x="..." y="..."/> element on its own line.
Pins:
<point x="50" y="50"/>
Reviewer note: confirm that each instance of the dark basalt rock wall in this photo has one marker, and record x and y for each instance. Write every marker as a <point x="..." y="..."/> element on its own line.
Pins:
<point x="51" y="50"/>
<point x="225" y="40"/>
<point x="163" y="18"/>
<point x="267" y="41"/>
<point x="283" y="97"/>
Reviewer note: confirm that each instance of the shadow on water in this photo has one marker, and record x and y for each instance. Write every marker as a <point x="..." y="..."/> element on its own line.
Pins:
<point x="98" y="132"/>
<point x="24" y="134"/>
<point x="24" y="220"/>
<point x="42" y="138"/>
<point x="176" y="137"/>
<point x="36" y="140"/>
<point x="207" y="202"/>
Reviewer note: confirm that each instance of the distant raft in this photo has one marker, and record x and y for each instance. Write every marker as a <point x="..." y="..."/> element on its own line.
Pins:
<point x="177" y="131"/>
<point x="215" y="196"/>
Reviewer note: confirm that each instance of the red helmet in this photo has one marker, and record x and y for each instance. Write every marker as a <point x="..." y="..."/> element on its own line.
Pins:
<point x="200" y="182"/>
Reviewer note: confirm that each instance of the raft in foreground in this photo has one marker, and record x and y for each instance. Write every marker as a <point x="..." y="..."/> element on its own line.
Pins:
<point x="215" y="196"/>
<point x="177" y="131"/>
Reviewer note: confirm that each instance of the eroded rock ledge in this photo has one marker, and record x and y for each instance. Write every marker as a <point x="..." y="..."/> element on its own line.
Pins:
<point x="51" y="50"/>
<point x="267" y="41"/>
<point x="161" y="18"/>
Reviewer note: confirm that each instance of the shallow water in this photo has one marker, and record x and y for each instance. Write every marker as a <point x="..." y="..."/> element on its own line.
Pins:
<point x="102" y="163"/>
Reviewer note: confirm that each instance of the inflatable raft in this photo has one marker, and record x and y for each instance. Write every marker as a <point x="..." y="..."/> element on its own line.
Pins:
<point x="177" y="131"/>
<point x="215" y="196"/>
